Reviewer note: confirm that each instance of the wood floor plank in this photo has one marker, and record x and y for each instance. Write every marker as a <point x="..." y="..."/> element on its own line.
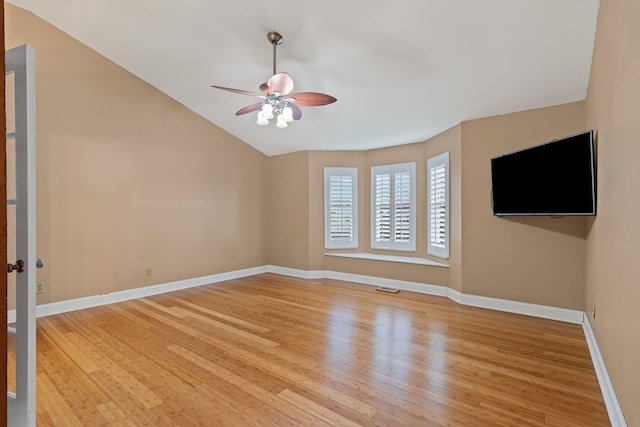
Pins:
<point x="313" y="408"/>
<point x="271" y="350"/>
<point x="182" y="313"/>
<point x="55" y="406"/>
<point x="230" y="319"/>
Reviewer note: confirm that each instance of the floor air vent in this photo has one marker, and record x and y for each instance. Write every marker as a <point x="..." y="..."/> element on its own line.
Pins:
<point x="390" y="290"/>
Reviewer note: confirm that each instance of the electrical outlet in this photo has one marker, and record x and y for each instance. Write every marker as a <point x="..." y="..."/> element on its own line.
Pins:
<point x="149" y="272"/>
<point x="40" y="288"/>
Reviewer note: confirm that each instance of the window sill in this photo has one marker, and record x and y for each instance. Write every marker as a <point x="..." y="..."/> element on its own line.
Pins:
<point x="389" y="258"/>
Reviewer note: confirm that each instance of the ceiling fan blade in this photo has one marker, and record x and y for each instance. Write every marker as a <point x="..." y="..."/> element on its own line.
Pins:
<point x="297" y="112"/>
<point x="312" y="99"/>
<point x="264" y="88"/>
<point x="240" y="91"/>
<point x="249" y="109"/>
<point x="281" y="82"/>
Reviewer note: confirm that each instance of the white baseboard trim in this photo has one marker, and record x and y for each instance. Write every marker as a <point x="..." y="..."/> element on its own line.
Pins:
<point x="608" y="393"/>
<point x="517" y="307"/>
<point x="388" y="283"/>
<point x="112" y="297"/>
<point x="454" y="295"/>
<point x="294" y="272"/>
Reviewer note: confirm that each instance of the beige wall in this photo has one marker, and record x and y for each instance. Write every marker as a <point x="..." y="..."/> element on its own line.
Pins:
<point x="128" y="179"/>
<point x="390" y="270"/>
<point x="287" y="209"/>
<point x="613" y="267"/>
<point x="537" y="260"/>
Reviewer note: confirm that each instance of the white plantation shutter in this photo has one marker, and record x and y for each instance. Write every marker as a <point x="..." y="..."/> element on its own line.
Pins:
<point x="393" y="207"/>
<point x="383" y="207"/>
<point x="402" y="205"/>
<point x="341" y="208"/>
<point x="438" y="205"/>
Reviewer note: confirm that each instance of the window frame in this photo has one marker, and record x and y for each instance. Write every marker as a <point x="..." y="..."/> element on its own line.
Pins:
<point x="392" y="244"/>
<point x="340" y="171"/>
<point x="434" y="249"/>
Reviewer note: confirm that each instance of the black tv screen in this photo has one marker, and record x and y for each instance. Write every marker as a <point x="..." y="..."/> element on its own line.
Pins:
<point x="556" y="178"/>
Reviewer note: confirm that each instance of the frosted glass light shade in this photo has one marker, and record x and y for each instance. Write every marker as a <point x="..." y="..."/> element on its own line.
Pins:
<point x="267" y="110"/>
<point x="287" y="113"/>
<point x="262" y="120"/>
<point x="282" y="123"/>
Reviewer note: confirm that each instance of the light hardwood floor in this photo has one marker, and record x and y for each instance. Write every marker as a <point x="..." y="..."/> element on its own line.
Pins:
<point x="270" y="350"/>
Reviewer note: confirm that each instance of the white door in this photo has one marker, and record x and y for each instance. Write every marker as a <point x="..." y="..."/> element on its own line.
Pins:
<point x="21" y="405"/>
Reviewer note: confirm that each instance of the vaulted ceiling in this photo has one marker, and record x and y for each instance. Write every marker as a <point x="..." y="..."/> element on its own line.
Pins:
<point x="402" y="71"/>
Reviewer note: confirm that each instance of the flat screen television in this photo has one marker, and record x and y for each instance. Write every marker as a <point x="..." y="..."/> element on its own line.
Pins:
<point x="557" y="179"/>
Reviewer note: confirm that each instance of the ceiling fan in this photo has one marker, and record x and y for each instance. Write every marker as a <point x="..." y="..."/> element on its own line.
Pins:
<point x="276" y="95"/>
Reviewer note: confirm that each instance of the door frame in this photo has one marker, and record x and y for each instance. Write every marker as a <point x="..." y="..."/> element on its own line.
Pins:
<point x="3" y="230"/>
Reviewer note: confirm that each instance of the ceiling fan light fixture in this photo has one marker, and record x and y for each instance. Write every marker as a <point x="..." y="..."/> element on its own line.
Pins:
<point x="276" y="95"/>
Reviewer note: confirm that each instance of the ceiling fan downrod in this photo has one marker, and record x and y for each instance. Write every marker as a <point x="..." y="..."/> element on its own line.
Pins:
<point x="275" y="38"/>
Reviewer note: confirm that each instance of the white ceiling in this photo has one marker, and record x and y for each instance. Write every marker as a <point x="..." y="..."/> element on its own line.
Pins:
<point x="402" y="71"/>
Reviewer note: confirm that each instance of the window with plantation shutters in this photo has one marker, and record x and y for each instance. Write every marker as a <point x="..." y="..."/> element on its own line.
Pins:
<point x="340" y="208"/>
<point x="393" y="196"/>
<point x="438" y="205"/>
